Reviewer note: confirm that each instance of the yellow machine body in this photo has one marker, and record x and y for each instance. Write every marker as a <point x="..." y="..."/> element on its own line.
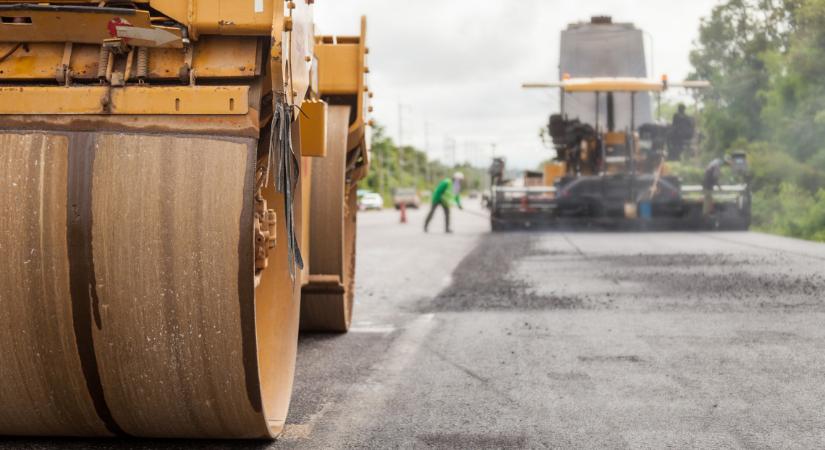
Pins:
<point x="328" y="298"/>
<point x="342" y="80"/>
<point x="314" y="128"/>
<point x="553" y="171"/>
<point x="200" y="17"/>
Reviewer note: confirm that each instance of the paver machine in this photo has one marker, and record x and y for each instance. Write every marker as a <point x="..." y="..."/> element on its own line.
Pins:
<point x="157" y="166"/>
<point x="611" y="164"/>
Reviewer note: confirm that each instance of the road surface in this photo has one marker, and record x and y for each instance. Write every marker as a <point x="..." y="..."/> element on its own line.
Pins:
<point x="590" y="339"/>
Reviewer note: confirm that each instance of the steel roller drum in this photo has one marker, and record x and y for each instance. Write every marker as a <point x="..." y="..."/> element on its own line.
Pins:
<point x="128" y="303"/>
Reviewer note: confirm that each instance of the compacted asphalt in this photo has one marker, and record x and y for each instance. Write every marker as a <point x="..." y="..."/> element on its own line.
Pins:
<point x="561" y="339"/>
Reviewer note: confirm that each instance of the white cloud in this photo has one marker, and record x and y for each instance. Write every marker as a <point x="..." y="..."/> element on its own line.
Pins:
<point x="458" y="65"/>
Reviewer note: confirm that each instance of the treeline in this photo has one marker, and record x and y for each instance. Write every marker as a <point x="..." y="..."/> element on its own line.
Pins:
<point x="766" y="62"/>
<point x="394" y="167"/>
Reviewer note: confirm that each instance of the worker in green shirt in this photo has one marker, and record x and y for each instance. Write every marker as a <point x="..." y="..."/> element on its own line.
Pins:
<point x="447" y="192"/>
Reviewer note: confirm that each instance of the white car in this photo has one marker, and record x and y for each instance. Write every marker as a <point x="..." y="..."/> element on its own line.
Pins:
<point x="371" y="200"/>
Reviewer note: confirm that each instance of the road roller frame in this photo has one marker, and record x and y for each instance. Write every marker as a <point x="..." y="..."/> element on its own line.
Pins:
<point x="328" y="298"/>
<point x="155" y="170"/>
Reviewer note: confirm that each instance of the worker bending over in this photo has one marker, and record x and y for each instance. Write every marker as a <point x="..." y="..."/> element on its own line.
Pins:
<point x="447" y="192"/>
<point x="713" y="174"/>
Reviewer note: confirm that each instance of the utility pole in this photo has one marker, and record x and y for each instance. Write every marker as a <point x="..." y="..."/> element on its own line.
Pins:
<point x="400" y="138"/>
<point x="400" y="123"/>
<point x="401" y="149"/>
<point x="427" y="177"/>
<point x="449" y="150"/>
<point x="379" y="155"/>
<point x="415" y="168"/>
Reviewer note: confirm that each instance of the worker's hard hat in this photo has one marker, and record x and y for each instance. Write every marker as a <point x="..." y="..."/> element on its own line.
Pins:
<point x="458" y="176"/>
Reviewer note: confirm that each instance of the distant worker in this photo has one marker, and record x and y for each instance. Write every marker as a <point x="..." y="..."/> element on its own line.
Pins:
<point x="497" y="172"/>
<point x="447" y="192"/>
<point x="682" y="132"/>
<point x="713" y="174"/>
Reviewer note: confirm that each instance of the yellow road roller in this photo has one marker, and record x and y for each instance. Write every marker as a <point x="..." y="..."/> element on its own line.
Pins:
<point x="157" y="160"/>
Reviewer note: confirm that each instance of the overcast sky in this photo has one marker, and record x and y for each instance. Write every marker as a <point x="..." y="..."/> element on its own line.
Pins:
<point x="456" y="66"/>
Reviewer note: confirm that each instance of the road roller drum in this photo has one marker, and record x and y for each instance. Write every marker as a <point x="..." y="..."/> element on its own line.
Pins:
<point x="129" y="294"/>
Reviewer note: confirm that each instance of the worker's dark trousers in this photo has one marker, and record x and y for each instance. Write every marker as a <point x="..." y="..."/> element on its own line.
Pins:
<point x="432" y="212"/>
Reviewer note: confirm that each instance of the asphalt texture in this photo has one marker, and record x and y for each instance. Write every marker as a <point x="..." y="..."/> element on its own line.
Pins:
<point x="561" y="339"/>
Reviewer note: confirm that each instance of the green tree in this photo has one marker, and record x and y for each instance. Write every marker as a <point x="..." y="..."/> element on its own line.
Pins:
<point x="766" y="61"/>
<point x="392" y="167"/>
<point x="734" y="44"/>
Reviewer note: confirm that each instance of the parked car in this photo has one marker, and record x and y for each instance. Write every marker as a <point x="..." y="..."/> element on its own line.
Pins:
<point x="407" y="197"/>
<point x="371" y="200"/>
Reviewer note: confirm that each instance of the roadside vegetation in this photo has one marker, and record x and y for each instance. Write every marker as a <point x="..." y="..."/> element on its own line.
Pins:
<point x="766" y="62"/>
<point x="394" y="167"/>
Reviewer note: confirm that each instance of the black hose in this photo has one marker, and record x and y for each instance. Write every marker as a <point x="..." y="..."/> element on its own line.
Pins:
<point x="286" y="170"/>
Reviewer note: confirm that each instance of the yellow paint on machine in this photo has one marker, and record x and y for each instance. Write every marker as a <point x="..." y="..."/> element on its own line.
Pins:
<point x="131" y="100"/>
<point x="223" y="17"/>
<point x="338" y="68"/>
<point x="181" y="100"/>
<point x="313" y="122"/>
<point x="342" y="75"/>
<point x="554" y="171"/>
<point x="213" y="58"/>
<point x="217" y="17"/>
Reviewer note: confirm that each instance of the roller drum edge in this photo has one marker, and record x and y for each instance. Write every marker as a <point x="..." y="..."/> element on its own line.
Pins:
<point x="127" y="297"/>
<point x="327" y="301"/>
